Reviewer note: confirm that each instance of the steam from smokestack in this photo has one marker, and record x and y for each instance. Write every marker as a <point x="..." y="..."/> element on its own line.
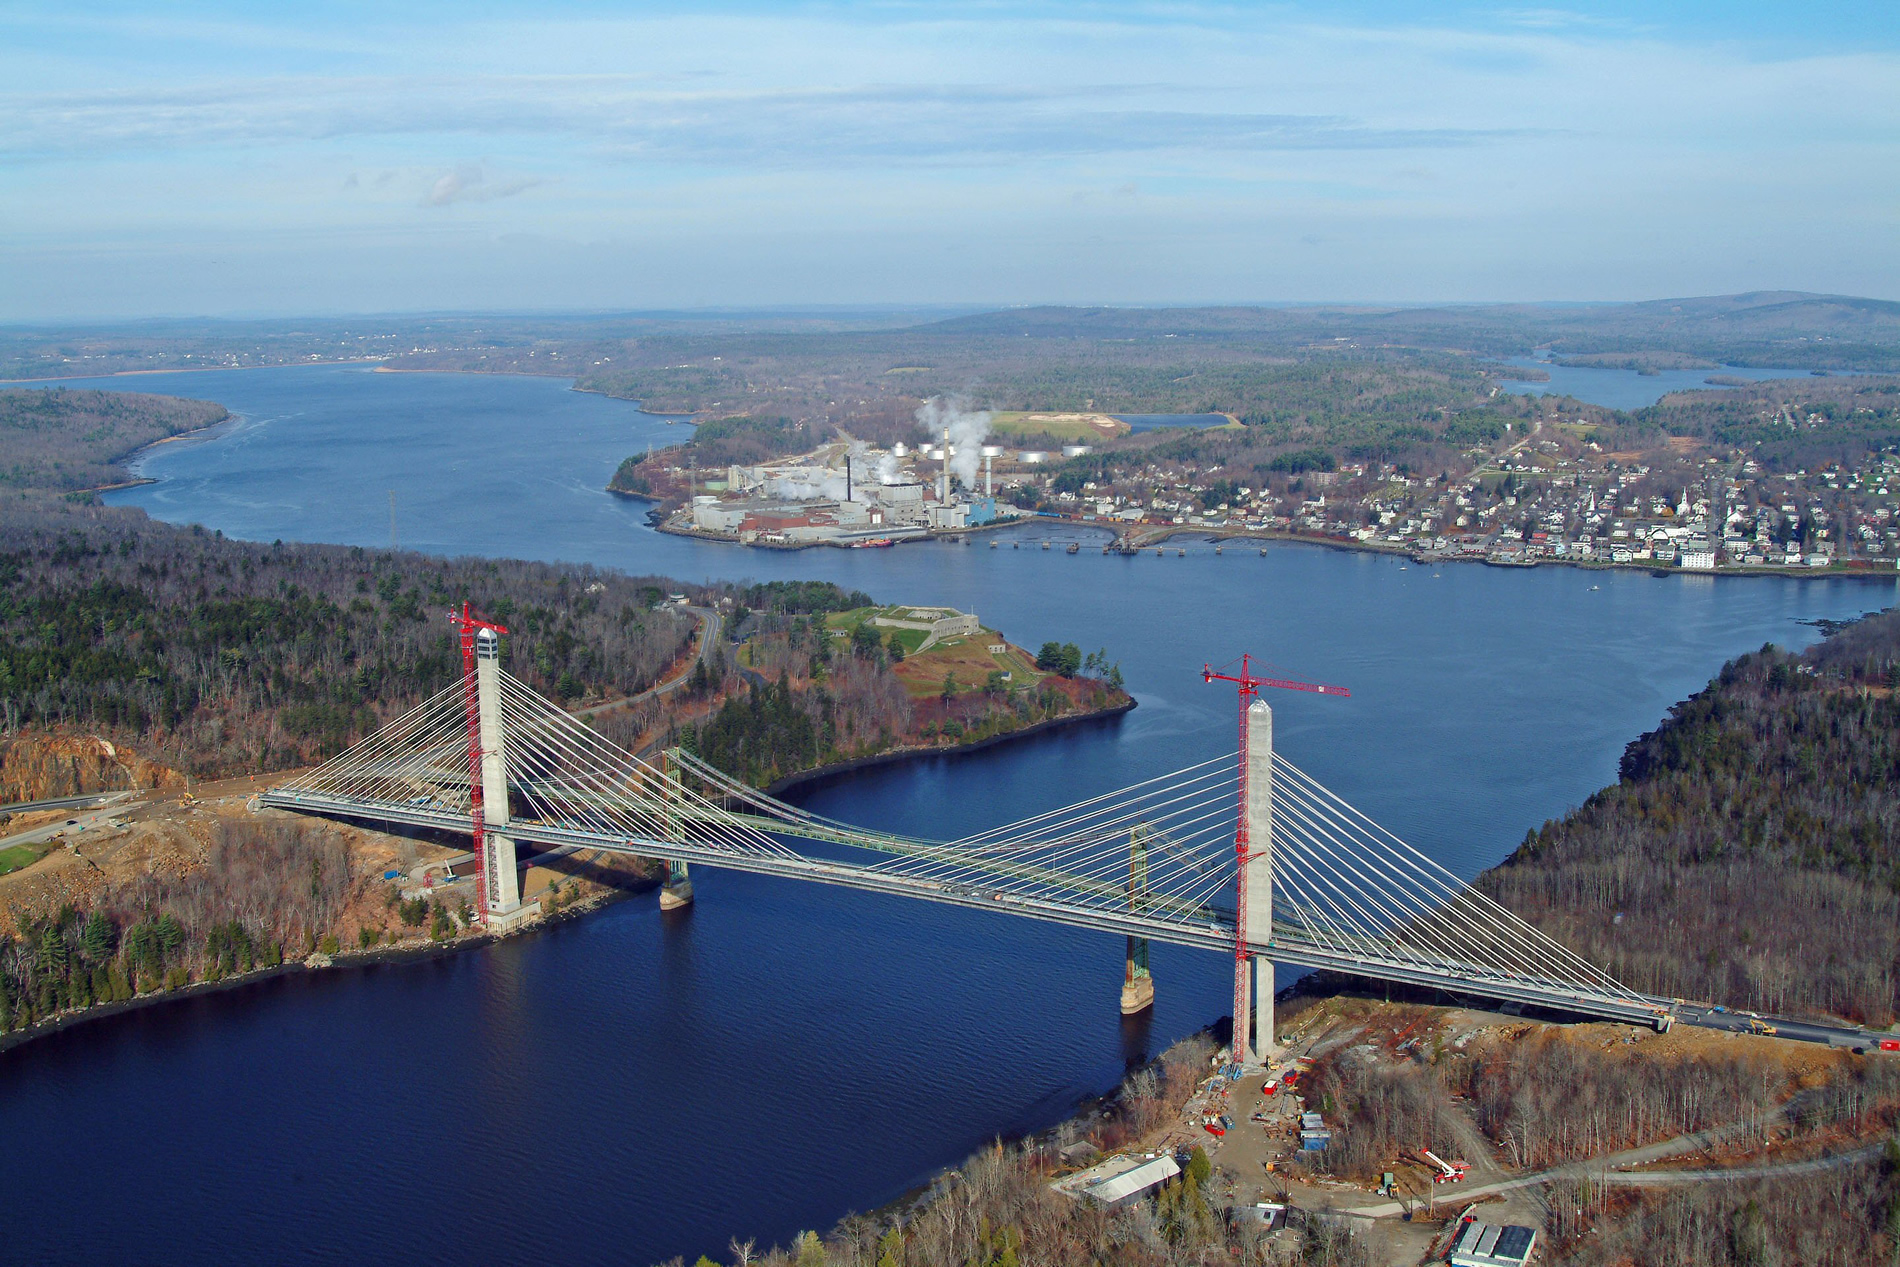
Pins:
<point x="830" y="488"/>
<point x="884" y="468"/>
<point x="967" y="430"/>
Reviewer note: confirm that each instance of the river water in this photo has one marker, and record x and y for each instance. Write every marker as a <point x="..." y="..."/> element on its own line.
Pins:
<point x="631" y="1086"/>
<point x="1632" y="389"/>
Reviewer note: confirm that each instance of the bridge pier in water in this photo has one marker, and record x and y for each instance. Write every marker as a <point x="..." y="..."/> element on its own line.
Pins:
<point x="503" y="880"/>
<point x="678" y="889"/>
<point x="1138" y="987"/>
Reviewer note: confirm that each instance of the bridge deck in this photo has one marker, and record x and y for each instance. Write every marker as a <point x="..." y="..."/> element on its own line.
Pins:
<point x="1208" y="929"/>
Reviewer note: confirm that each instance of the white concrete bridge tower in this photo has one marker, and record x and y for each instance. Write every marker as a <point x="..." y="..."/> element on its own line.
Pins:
<point x="505" y="909"/>
<point x="1259" y="864"/>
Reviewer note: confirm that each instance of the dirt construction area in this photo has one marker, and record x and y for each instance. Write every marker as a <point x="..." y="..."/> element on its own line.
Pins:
<point x="1260" y="1152"/>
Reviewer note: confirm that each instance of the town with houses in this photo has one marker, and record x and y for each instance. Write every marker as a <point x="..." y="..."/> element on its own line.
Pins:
<point x="1540" y="500"/>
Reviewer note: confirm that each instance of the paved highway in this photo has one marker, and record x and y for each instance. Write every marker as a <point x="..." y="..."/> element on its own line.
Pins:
<point x="74" y="824"/>
<point x="57" y="802"/>
<point x="1779" y="1027"/>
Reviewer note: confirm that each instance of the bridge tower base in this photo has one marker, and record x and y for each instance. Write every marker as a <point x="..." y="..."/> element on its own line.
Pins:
<point x="1138" y="987"/>
<point x="1266" y="1042"/>
<point x="507" y="921"/>
<point x="678" y="889"/>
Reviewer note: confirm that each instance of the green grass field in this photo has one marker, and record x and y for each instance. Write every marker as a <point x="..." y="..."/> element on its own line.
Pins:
<point x="18" y="857"/>
<point x="1067" y="427"/>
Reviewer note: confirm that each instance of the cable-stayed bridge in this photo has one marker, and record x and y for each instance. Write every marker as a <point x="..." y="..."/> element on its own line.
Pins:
<point x="1326" y="886"/>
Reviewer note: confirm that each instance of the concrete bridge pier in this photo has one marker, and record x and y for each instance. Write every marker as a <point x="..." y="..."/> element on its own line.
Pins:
<point x="678" y="889"/>
<point x="1138" y="987"/>
<point x="499" y="869"/>
<point x="1266" y="1041"/>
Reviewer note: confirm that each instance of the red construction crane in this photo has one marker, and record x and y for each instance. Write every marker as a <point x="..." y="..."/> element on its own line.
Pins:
<point x="1249" y="691"/>
<point x="470" y="623"/>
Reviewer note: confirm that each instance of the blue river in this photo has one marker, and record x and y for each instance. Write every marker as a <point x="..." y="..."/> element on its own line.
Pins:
<point x="631" y="1085"/>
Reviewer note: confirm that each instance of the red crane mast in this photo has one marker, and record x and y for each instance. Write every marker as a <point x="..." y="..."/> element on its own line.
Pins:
<point x="1249" y="691"/>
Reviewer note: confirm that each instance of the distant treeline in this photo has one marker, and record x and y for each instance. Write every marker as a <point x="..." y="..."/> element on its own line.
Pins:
<point x="220" y="656"/>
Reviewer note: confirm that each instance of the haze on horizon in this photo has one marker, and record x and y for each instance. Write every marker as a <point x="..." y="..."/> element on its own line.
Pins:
<point x="242" y="159"/>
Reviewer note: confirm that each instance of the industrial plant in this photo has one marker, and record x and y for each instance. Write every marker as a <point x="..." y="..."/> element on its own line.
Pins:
<point x="857" y="495"/>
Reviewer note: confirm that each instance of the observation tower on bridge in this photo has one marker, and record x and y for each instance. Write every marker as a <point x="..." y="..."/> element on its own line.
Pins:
<point x="498" y="887"/>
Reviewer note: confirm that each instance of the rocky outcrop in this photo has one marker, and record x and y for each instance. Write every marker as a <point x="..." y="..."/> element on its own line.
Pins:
<point x="34" y="767"/>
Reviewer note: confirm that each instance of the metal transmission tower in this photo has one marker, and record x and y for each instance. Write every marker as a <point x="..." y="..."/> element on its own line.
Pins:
<point x="1253" y="913"/>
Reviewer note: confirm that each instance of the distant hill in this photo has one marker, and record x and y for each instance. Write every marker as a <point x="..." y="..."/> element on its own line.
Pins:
<point x="1792" y="328"/>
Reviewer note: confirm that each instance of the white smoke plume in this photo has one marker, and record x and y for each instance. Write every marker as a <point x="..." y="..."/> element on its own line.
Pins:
<point x="968" y="428"/>
<point x="831" y="488"/>
<point x="866" y="470"/>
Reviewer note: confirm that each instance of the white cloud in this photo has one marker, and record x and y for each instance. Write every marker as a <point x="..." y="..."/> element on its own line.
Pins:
<point x="469" y="183"/>
<point x="830" y="153"/>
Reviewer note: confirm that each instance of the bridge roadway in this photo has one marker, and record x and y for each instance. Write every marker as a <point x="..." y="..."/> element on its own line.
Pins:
<point x="1210" y="929"/>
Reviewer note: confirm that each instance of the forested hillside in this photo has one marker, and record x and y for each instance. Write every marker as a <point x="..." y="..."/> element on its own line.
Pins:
<point x="798" y="694"/>
<point x="63" y="440"/>
<point x="219" y="656"/>
<point x="1787" y="424"/>
<point x="1749" y="854"/>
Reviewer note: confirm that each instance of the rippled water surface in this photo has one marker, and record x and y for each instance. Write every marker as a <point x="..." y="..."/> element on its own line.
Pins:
<point x="631" y="1086"/>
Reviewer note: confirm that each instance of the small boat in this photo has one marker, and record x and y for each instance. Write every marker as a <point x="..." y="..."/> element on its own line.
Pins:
<point x="992" y="545"/>
<point x="1180" y="554"/>
<point x="1074" y="546"/>
<point x="875" y="543"/>
<point x="1045" y="545"/>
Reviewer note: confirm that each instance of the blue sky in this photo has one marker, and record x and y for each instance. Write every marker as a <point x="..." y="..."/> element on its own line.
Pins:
<point x="250" y="160"/>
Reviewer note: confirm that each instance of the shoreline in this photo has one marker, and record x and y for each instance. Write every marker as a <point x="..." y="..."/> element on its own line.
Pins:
<point x="894" y="755"/>
<point x="191" y="369"/>
<point x="416" y="952"/>
<point x="376" y="956"/>
<point x="126" y="460"/>
<point x="1871" y="570"/>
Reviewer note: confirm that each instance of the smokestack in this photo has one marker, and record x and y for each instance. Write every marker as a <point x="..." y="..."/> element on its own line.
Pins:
<point x="989" y="483"/>
<point x="943" y="479"/>
<point x="847" y="477"/>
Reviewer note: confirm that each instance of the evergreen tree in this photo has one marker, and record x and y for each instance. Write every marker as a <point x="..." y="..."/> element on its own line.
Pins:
<point x="52" y="955"/>
<point x="97" y="937"/>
